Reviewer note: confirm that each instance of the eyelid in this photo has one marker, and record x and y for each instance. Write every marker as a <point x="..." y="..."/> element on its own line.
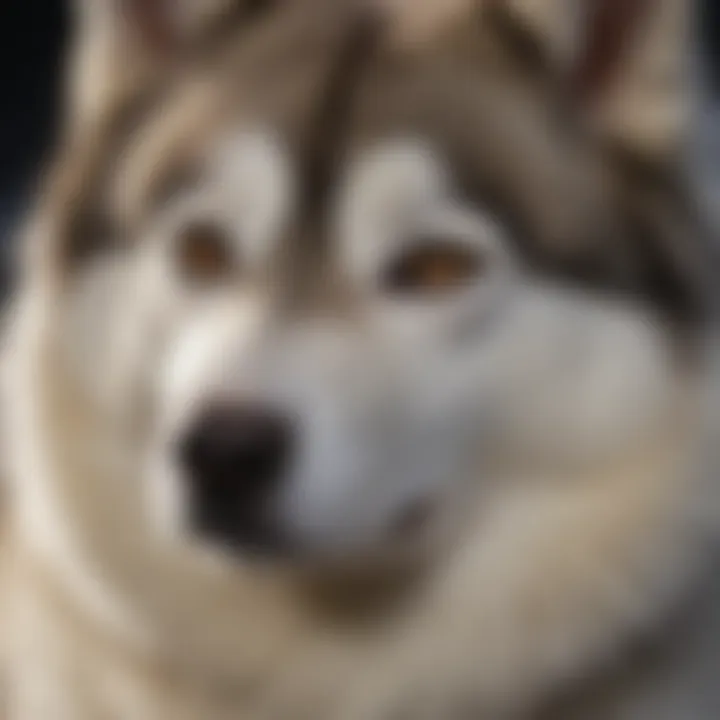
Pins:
<point x="459" y="224"/>
<point x="189" y="207"/>
<point x="388" y="187"/>
<point x="451" y="223"/>
<point x="433" y="267"/>
<point x="246" y="185"/>
<point x="402" y="190"/>
<point x="179" y="181"/>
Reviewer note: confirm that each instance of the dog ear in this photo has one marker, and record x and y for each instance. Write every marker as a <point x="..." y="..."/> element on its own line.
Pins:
<point x="618" y="63"/>
<point x="626" y="79"/>
<point x="120" y="46"/>
<point x="616" y="68"/>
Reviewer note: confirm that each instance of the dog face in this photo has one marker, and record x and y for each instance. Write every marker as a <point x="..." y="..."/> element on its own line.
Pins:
<point x="344" y="308"/>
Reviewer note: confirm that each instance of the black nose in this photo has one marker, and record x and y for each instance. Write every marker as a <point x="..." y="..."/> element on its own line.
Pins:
<point x="234" y="457"/>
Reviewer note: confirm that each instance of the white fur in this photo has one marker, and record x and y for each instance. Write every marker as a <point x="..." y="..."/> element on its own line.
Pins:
<point x="253" y="175"/>
<point x="547" y="428"/>
<point x="39" y="508"/>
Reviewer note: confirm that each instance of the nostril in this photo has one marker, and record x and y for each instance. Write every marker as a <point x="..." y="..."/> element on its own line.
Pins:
<point x="263" y="445"/>
<point x="243" y="446"/>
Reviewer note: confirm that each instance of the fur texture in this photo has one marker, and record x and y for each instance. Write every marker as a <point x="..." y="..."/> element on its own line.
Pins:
<point x="556" y="411"/>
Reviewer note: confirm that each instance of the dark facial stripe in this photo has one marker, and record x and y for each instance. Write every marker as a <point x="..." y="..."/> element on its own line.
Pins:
<point x="323" y="138"/>
<point x="329" y="123"/>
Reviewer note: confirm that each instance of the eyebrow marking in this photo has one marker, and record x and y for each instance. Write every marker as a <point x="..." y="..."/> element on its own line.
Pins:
<point x="177" y="178"/>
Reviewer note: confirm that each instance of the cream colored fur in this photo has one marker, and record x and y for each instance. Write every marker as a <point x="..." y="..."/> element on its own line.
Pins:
<point x="551" y="576"/>
<point x="583" y="530"/>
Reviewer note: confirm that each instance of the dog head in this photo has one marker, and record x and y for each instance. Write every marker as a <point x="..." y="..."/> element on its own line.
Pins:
<point x="331" y="286"/>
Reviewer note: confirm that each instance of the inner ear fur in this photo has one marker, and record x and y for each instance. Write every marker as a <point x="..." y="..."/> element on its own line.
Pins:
<point x="619" y="63"/>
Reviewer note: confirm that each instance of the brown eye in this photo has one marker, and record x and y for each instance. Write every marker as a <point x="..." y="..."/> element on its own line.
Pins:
<point x="434" y="266"/>
<point x="204" y="252"/>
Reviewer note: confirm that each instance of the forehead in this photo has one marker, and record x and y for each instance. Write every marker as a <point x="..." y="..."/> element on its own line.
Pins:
<point x="494" y="133"/>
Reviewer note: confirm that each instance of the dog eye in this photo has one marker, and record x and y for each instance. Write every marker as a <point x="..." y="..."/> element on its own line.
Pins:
<point x="204" y="252"/>
<point x="433" y="266"/>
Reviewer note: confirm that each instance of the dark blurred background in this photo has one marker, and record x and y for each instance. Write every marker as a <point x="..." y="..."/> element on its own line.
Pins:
<point x="709" y="32"/>
<point x="705" y="150"/>
<point x="33" y="36"/>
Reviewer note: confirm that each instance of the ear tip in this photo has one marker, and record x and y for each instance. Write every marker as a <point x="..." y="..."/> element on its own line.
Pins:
<point x="608" y="32"/>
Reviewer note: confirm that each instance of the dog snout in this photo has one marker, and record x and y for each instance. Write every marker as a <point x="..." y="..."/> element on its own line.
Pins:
<point x="234" y="458"/>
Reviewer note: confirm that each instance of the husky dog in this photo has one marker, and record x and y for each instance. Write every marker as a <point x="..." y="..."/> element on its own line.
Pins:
<point x="353" y="376"/>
